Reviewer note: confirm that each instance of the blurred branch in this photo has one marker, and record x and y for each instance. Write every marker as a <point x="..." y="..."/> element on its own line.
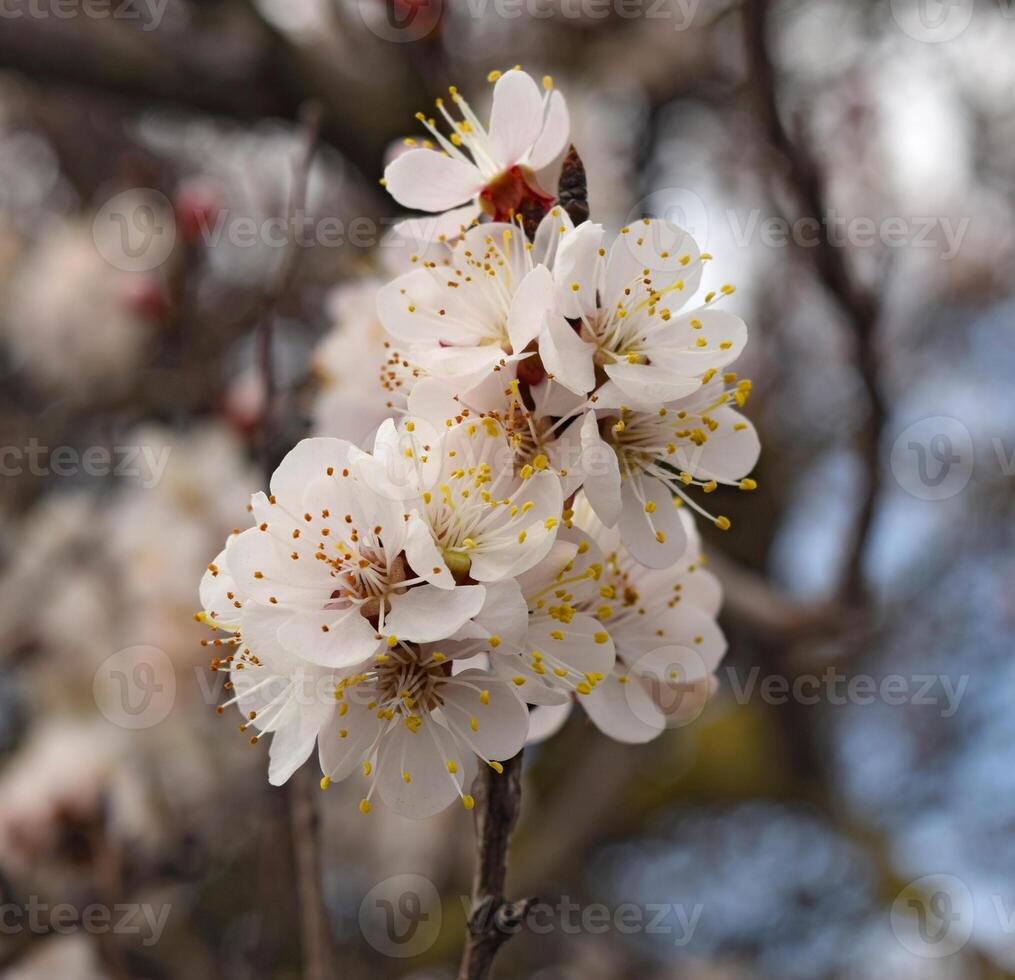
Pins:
<point x="315" y="935"/>
<point x="752" y="601"/>
<point x="799" y="172"/>
<point x="311" y="117"/>
<point x="302" y="789"/>
<point x="242" y="69"/>
<point x="493" y="921"/>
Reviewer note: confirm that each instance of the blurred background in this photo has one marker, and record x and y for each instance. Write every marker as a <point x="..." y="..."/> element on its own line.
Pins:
<point x="187" y="186"/>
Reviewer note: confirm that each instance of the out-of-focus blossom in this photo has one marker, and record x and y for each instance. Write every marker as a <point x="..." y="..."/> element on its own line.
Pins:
<point x="68" y="787"/>
<point x="71" y="319"/>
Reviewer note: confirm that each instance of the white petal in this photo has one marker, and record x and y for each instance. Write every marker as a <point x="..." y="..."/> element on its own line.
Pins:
<point x="423" y="555"/>
<point x="418" y="235"/>
<point x="460" y="368"/>
<point x="555" y="224"/>
<point x="624" y="711"/>
<point x="502" y="720"/>
<point x="702" y="590"/>
<point x="426" y="614"/>
<point x="651" y="384"/>
<point x="504" y="615"/>
<point x="292" y="745"/>
<point x="553" y="138"/>
<point x="431" y="181"/>
<point x="342" y="755"/>
<point x="424" y="755"/>
<point x="581" y="647"/>
<point x="508" y="556"/>
<point x="576" y="264"/>
<point x="725" y="336"/>
<point x="660" y="247"/>
<point x="546" y="720"/>
<point x="307" y="462"/>
<point x="516" y="118"/>
<point x="692" y="646"/>
<point x="532" y="301"/>
<point x="430" y="399"/>
<point x="219" y="594"/>
<point x="348" y="640"/>
<point x="728" y="453"/>
<point x="263" y="568"/>
<point x="407" y="307"/>
<point x="600" y="472"/>
<point x="566" y="356"/>
<point x="655" y="539"/>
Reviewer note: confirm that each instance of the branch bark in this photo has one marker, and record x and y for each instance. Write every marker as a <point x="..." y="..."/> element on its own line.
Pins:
<point x="493" y="921"/>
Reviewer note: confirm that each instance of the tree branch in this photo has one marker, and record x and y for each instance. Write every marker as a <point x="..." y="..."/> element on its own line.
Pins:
<point x="493" y="921"/>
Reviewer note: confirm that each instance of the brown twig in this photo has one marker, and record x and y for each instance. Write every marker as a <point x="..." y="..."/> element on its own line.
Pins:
<point x="493" y="921"/>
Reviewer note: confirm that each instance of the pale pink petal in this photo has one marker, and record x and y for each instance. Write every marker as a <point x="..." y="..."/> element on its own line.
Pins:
<point x="516" y="118"/>
<point x="553" y="138"/>
<point x="430" y="181"/>
<point x="600" y="472"/>
<point x="348" y="640"/>
<point x="546" y="720"/>
<point x="655" y="539"/>
<point x="533" y="299"/>
<point x="426" y="614"/>
<point x="647" y="385"/>
<point x="502" y="720"/>
<point x="424" y="556"/>
<point x="412" y="772"/>
<point x="576" y="264"/>
<point x="566" y="356"/>
<point x="624" y="710"/>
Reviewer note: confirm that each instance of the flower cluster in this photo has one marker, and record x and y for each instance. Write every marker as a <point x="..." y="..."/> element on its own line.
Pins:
<point x="519" y="536"/>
